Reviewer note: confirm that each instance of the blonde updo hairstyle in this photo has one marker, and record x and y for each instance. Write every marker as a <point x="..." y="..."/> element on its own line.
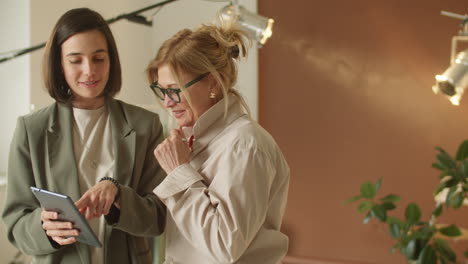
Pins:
<point x="210" y="48"/>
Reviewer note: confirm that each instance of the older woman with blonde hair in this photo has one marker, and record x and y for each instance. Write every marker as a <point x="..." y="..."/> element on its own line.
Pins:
<point x="227" y="182"/>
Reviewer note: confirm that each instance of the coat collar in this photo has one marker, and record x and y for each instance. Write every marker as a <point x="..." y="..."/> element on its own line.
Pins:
<point x="214" y="121"/>
<point x="62" y="164"/>
<point x="123" y="140"/>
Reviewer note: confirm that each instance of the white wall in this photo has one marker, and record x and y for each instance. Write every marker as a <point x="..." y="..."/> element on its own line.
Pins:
<point x="14" y="90"/>
<point x="14" y="74"/>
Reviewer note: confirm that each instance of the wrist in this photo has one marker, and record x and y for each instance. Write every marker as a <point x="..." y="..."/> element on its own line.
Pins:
<point x="116" y="184"/>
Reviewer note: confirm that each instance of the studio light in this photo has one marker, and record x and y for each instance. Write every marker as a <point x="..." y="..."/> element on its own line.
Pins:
<point x="258" y="27"/>
<point x="453" y="82"/>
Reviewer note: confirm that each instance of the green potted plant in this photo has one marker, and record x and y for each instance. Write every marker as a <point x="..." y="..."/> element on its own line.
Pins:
<point x="421" y="241"/>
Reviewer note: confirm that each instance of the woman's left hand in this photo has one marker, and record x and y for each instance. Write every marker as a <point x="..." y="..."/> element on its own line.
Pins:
<point x="97" y="200"/>
<point x="172" y="152"/>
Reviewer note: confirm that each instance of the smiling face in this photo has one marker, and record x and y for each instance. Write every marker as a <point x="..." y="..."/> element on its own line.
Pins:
<point x="85" y="64"/>
<point x="199" y="92"/>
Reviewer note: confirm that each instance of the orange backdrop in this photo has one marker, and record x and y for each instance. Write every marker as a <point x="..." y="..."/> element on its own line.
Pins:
<point x="345" y="88"/>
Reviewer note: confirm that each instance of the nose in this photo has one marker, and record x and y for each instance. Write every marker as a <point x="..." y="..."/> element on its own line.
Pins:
<point x="88" y="68"/>
<point x="168" y="102"/>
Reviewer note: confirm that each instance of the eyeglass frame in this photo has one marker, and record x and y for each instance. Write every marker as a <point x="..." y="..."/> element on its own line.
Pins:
<point x="176" y="91"/>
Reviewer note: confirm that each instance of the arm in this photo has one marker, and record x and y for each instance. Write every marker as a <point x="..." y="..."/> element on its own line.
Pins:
<point x="223" y="218"/>
<point x="151" y="212"/>
<point x="22" y="212"/>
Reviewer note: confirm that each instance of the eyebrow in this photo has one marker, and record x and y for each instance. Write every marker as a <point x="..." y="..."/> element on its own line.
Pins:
<point x="78" y="53"/>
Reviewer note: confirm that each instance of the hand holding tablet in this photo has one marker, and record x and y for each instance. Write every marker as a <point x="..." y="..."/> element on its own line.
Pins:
<point x="67" y="211"/>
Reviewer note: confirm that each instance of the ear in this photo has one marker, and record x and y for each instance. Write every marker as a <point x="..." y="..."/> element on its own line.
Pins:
<point x="213" y="84"/>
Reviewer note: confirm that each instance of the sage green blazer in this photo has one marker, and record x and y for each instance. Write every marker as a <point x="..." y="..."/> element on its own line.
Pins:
<point x="41" y="155"/>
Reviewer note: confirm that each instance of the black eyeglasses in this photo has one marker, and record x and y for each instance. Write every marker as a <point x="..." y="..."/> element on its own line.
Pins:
<point x="173" y="93"/>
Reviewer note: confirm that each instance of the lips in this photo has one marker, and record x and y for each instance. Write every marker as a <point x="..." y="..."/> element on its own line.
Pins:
<point x="178" y="113"/>
<point x="89" y="84"/>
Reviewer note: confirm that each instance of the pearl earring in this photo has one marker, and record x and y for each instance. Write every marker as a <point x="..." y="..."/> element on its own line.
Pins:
<point x="212" y="95"/>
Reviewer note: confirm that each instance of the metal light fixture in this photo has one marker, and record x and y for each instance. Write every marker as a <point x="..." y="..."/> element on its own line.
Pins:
<point x="454" y="80"/>
<point x="258" y="27"/>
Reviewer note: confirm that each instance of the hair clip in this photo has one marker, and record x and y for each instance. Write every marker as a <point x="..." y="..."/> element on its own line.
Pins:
<point x="234" y="51"/>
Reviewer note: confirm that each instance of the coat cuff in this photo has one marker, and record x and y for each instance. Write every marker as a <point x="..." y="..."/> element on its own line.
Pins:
<point x="180" y="179"/>
<point x="113" y="218"/>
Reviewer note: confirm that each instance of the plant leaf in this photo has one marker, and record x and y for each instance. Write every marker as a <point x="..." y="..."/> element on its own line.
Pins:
<point x="428" y="255"/>
<point x="410" y="250"/>
<point x="352" y="199"/>
<point x="365" y="206"/>
<point x="445" y="250"/>
<point x="379" y="212"/>
<point x="395" y="230"/>
<point x="438" y="166"/>
<point x="458" y="173"/>
<point x="462" y="152"/>
<point x="451" y="182"/>
<point x="378" y="183"/>
<point x="445" y="160"/>
<point x="394" y="220"/>
<point x="368" y="190"/>
<point x="426" y="232"/>
<point x="443" y="175"/>
<point x="457" y="200"/>
<point x="451" y="231"/>
<point x="391" y="198"/>
<point x="388" y="206"/>
<point x="412" y="213"/>
<point x="450" y="194"/>
<point x="438" y="210"/>
<point x="367" y="218"/>
<point x="464" y="169"/>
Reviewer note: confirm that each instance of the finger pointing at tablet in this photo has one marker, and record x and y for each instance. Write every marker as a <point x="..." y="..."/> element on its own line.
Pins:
<point x="97" y="200"/>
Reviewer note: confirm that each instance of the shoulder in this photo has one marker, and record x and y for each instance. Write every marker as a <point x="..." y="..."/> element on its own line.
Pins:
<point x="246" y="134"/>
<point x="39" y="119"/>
<point x="246" y="138"/>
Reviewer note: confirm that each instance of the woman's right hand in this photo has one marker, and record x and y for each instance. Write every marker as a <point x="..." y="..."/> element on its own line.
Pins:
<point x="61" y="232"/>
<point x="173" y="151"/>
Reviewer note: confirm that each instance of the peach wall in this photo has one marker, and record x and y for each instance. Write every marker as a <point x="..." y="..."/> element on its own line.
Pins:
<point x="345" y="88"/>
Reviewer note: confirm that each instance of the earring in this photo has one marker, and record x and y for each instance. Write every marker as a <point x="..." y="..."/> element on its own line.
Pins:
<point x="212" y="95"/>
<point x="67" y="90"/>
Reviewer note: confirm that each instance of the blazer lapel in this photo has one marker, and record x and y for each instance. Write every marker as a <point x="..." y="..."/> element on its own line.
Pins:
<point x="124" y="140"/>
<point x="61" y="156"/>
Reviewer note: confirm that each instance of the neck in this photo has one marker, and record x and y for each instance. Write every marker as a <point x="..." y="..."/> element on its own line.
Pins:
<point x="88" y="104"/>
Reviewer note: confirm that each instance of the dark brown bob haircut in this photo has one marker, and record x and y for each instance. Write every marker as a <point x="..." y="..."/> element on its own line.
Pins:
<point x="72" y="22"/>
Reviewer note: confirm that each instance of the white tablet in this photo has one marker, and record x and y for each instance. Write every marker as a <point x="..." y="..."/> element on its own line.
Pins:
<point x="64" y="206"/>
